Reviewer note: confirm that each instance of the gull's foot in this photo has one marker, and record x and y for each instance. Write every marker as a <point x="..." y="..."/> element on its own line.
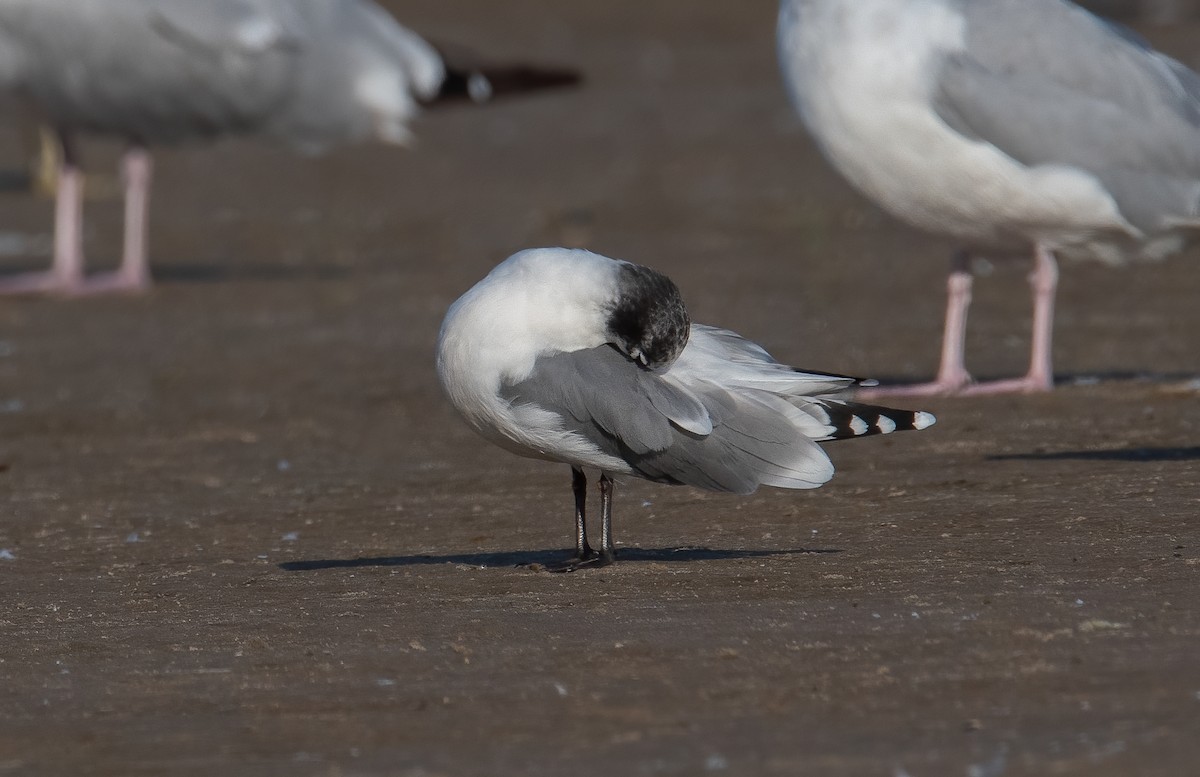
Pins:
<point x="1030" y="384"/>
<point x="959" y="387"/>
<point x="591" y="559"/>
<point x="108" y="283"/>
<point x="50" y="283"/>
<point x="941" y="387"/>
<point x="44" y="282"/>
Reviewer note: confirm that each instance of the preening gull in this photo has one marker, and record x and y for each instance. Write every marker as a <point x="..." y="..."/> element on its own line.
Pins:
<point x="569" y="356"/>
<point x="313" y="73"/>
<point x="1007" y="124"/>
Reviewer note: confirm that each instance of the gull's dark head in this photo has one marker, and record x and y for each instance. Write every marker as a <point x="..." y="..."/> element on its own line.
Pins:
<point x="647" y="320"/>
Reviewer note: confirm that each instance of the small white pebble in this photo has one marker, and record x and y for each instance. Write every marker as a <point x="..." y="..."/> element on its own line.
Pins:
<point x="646" y="503"/>
<point x="384" y="682"/>
<point x="562" y="689"/>
<point x="133" y="537"/>
<point x="7" y="555"/>
<point x="291" y="536"/>
<point x="283" y="465"/>
<point x="1078" y="602"/>
<point x="262" y="555"/>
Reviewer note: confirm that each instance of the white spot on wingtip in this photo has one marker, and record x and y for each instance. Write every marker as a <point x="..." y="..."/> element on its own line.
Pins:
<point x="885" y="425"/>
<point x="258" y="33"/>
<point x="858" y="426"/>
<point x="923" y="420"/>
<point x="479" y="88"/>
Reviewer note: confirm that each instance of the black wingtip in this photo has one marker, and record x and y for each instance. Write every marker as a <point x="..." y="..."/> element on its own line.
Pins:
<point x="485" y="83"/>
<point x="854" y="419"/>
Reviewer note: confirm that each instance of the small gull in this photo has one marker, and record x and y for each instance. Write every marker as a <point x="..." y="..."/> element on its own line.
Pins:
<point x="569" y="356"/>
<point x="312" y="73"/>
<point x="1008" y="125"/>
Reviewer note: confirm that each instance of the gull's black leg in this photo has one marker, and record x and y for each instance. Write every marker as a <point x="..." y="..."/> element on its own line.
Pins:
<point x="608" y="553"/>
<point x="585" y="555"/>
<point x="583" y="550"/>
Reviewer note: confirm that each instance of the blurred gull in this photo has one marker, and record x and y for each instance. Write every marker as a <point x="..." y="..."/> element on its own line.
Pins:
<point x="313" y="73"/>
<point x="570" y="356"/>
<point x="1007" y="124"/>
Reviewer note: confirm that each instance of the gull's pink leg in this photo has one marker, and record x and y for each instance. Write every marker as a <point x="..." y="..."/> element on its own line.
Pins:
<point x="134" y="272"/>
<point x="66" y="273"/>
<point x="1040" y="377"/>
<point x="952" y="373"/>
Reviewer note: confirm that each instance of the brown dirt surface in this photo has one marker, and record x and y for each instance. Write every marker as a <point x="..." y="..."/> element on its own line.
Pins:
<point x="243" y="533"/>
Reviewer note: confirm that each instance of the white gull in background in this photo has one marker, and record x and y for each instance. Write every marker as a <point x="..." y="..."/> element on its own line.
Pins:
<point x="570" y="356"/>
<point x="1007" y="124"/>
<point x="312" y="73"/>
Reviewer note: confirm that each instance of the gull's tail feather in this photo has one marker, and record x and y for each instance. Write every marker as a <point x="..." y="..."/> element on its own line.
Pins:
<point x="854" y="419"/>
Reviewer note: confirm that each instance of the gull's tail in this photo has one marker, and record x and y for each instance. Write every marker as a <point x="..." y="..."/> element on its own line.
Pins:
<point x="854" y="419"/>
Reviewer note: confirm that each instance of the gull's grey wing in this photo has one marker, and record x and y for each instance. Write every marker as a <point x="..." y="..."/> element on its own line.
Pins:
<point x="312" y="72"/>
<point x="635" y="415"/>
<point x="222" y="27"/>
<point x="1049" y="84"/>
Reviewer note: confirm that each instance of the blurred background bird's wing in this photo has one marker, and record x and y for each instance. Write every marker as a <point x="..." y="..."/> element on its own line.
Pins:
<point x="1049" y="84"/>
<point x="155" y="72"/>
<point x="228" y="26"/>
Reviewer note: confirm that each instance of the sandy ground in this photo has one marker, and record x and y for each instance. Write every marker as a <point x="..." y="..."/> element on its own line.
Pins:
<point x="242" y="532"/>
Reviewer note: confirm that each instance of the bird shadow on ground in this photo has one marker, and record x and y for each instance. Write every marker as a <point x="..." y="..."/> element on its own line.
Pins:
<point x="541" y="557"/>
<point x="248" y="271"/>
<point x="1120" y="454"/>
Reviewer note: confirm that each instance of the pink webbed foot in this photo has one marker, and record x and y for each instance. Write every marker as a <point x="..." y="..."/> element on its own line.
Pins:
<point x="1030" y="384"/>
<point x="960" y="387"/>
<point x="50" y="283"/>
<point x="110" y="283"/>
<point x="44" y="282"/>
<point x="943" y="386"/>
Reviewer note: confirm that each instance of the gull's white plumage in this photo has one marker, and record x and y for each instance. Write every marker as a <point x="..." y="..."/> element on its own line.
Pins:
<point x="569" y="356"/>
<point x="529" y="305"/>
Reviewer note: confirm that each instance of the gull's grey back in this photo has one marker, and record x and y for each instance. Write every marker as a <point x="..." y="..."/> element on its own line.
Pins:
<point x="169" y="70"/>
<point x="1048" y="83"/>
